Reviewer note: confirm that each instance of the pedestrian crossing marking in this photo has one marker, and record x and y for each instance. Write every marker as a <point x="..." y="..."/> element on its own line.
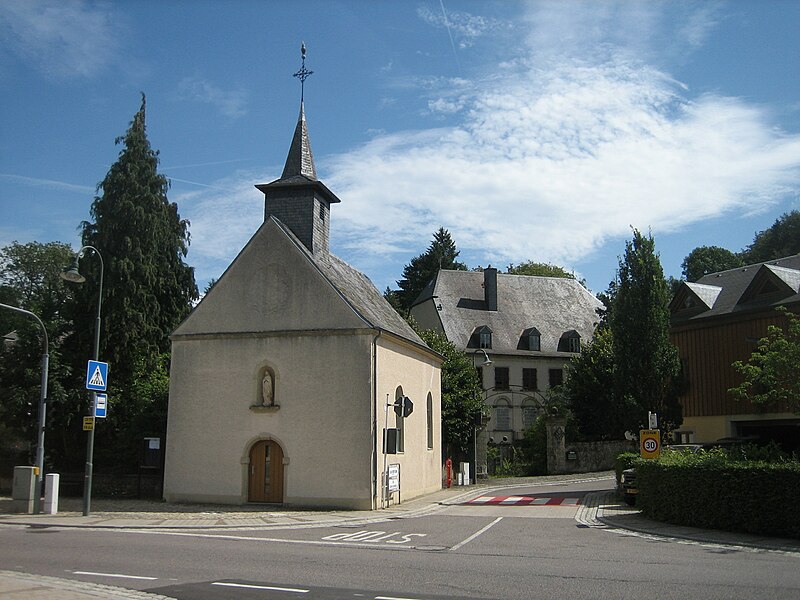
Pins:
<point x="97" y="378"/>
<point x="523" y="501"/>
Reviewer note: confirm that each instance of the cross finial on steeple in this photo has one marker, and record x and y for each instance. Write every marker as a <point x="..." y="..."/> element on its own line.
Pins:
<point x="303" y="73"/>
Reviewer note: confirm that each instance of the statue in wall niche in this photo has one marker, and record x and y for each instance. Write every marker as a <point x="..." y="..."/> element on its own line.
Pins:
<point x="267" y="390"/>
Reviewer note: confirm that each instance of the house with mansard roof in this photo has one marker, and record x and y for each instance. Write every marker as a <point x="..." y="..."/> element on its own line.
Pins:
<point x="520" y="331"/>
<point x="283" y="377"/>
<point x="719" y="320"/>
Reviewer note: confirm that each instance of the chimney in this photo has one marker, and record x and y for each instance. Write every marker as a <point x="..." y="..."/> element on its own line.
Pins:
<point x="490" y="287"/>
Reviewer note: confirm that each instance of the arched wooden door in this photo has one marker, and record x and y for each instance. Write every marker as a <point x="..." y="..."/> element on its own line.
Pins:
<point x="265" y="482"/>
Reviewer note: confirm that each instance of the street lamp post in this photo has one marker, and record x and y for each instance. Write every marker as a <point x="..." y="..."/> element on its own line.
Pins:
<point x="37" y="505"/>
<point x="71" y="274"/>
<point x="486" y="363"/>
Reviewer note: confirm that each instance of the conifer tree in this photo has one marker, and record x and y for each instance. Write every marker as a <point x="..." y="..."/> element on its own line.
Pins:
<point x="646" y="364"/>
<point x="441" y="254"/>
<point x="148" y="288"/>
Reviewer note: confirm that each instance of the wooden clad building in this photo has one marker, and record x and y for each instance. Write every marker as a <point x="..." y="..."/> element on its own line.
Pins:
<point x="718" y="320"/>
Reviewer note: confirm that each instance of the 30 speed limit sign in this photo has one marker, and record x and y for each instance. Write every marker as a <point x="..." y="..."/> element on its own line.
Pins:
<point x="650" y="443"/>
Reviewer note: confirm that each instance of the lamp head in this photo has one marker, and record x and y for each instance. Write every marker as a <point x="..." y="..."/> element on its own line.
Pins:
<point x="71" y="273"/>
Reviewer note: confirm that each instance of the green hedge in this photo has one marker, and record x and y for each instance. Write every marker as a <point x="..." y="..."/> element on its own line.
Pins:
<point x="709" y="490"/>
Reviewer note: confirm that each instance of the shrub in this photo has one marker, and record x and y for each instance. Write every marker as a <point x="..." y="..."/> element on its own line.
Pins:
<point x="710" y="489"/>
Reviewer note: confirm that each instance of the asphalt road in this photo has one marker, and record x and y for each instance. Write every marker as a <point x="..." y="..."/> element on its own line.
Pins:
<point x="522" y="547"/>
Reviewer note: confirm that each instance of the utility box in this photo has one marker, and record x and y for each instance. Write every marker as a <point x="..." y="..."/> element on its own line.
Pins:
<point x="23" y="490"/>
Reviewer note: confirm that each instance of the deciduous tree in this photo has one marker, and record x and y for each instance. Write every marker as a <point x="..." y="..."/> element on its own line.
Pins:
<point x="708" y="259"/>
<point x="772" y="374"/>
<point x="781" y="239"/>
<point x="462" y="400"/>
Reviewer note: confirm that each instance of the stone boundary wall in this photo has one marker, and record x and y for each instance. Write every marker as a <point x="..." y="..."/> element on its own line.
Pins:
<point x="580" y="457"/>
<point x="595" y="456"/>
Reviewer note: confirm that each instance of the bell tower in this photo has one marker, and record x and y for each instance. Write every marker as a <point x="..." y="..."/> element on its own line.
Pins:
<point x="298" y="199"/>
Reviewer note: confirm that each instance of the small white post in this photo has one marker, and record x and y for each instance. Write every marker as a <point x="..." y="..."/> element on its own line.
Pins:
<point x="51" y="482"/>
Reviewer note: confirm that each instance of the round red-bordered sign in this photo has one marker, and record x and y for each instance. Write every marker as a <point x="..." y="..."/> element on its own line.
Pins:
<point x="650" y="443"/>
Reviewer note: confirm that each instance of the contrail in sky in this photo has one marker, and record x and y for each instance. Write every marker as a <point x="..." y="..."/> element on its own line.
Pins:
<point x="450" y="35"/>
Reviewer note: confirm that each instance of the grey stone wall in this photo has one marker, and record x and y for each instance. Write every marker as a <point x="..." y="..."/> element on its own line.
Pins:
<point x="580" y="457"/>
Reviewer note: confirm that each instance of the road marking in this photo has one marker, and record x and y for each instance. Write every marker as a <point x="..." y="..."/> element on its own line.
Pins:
<point x="243" y="538"/>
<point x="393" y="598"/>
<point x="523" y="501"/>
<point x="118" y="575"/>
<point x="477" y="533"/>
<point x="261" y="587"/>
<point x="374" y="536"/>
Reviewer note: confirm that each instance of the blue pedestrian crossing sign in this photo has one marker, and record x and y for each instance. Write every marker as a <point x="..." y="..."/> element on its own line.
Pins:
<point x="97" y="376"/>
<point x="100" y="405"/>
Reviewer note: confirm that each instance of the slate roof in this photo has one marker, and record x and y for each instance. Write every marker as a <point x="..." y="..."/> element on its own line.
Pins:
<point x="300" y="160"/>
<point x="359" y="292"/>
<point x="554" y="306"/>
<point x="736" y="290"/>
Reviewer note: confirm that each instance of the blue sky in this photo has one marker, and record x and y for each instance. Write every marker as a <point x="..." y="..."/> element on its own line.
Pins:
<point x="531" y="130"/>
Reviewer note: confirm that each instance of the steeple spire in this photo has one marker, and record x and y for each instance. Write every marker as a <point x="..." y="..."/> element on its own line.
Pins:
<point x="300" y="160"/>
<point x="298" y="199"/>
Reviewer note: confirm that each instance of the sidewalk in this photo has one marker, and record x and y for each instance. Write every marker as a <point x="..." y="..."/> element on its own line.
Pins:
<point x="600" y="509"/>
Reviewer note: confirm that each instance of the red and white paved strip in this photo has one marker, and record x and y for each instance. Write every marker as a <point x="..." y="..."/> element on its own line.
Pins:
<point x="524" y="501"/>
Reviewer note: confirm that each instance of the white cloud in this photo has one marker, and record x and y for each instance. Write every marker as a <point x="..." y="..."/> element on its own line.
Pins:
<point x="231" y="103"/>
<point x="549" y="157"/>
<point x="61" y="39"/>
<point x="223" y="218"/>
<point x="464" y="27"/>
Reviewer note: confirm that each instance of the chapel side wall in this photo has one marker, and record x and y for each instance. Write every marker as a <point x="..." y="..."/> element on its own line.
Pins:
<point x="323" y="390"/>
<point x="418" y="373"/>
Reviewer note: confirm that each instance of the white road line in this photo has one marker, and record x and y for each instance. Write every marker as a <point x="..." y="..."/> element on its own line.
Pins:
<point x="261" y="587"/>
<point x="477" y="533"/>
<point x="393" y="598"/>
<point x="118" y="575"/>
<point x="244" y="538"/>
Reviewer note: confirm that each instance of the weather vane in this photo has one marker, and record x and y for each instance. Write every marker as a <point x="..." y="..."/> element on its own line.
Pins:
<point x="303" y="73"/>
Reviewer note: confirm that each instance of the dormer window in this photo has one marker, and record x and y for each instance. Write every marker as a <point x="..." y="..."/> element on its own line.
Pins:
<point x="570" y="342"/>
<point x="481" y="338"/>
<point x="534" y="340"/>
<point x="485" y="339"/>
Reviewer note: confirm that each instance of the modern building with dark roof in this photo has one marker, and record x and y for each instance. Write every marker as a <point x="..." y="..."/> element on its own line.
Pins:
<point x="528" y="327"/>
<point x="283" y="376"/>
<point x="719" y="320"/>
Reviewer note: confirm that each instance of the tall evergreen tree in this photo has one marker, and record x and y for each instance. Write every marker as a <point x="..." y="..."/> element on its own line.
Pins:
<point x="148" y="288"/>
<point x="647" y="367"/>
<point x="441" y="254"/>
